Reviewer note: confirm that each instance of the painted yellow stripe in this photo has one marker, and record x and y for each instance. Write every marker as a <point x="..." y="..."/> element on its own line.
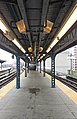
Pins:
<point x="8" y="87"/>
<point x="69" y="92"/>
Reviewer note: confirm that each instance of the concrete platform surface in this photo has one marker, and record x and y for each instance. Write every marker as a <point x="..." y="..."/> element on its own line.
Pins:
<point x="36" y="100"/>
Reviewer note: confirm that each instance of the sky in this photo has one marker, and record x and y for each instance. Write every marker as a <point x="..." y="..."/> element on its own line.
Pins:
<point x="4" y="55"/>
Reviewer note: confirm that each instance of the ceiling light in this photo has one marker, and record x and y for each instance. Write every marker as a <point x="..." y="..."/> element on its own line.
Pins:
<point x="21" y="26"/>
<point x="41" y="57"/>
<point x="7" y="33"/>
<point x="22" y="49"/>
<point x="30" y="49"/>
<point x="38" y="56"/>
<point x="40" y="49"/>
<point x="3" y="27"/>
<point x="68" y="24"/>
<point x="48" y="28"/>
<point x="26" y="54"/>
<point x="52" y="44"/>
<point x="10" y="36"/>
<point x="18" y="45"/>
<point x="72" y="18"/>
<point x="43" y="54"/>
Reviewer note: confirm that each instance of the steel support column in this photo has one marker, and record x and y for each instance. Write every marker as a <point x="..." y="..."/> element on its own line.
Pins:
<point x="40" y="66"/>
<point x="28" y="66"/>
<point x="44" y="68"/>
<point x="25" y="69"/>
<point x="37" y="66"/>
<point x="18" y="72"/>
<point x="53" y="71"/>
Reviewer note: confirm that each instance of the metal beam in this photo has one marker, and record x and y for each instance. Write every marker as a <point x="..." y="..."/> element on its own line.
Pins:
<point x="8" y="45"/>
<point x="60" y="8"/>
<point x="43" y="17"/>
<point x="13" y="2"/>
<point x="24" y="15"/>
<point x="54" y="2"/>
<point x="67" y="41"/>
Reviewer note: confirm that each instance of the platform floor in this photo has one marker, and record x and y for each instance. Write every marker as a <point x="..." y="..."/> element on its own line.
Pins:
<point x="36" y="100"/>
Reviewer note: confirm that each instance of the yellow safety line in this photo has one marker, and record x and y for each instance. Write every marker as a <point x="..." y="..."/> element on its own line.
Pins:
<point x="8" y="87"/>
<point x="69" y="92"/>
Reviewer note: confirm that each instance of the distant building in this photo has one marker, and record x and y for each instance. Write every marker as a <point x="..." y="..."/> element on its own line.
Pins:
<point x="62" y="63"/>
<point x="75" y="58"/>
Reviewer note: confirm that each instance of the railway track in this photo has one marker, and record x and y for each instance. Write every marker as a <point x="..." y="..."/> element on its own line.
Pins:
<point x="72" y="83"/>
<point x="6" y="77"/>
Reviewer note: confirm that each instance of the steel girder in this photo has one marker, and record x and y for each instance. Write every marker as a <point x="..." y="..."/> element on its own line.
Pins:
<point x="43" y="18"/>
<point x="67" y="41"/>
<point x="24" y="15"/>
<point x="8" y="45"/>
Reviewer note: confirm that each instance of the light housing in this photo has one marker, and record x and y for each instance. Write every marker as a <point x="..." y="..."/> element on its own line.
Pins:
<point x="49" y="26"/>
<point x="21" y="26"/>
<point x="40" y="49"/>
<point x="30" y="49"/>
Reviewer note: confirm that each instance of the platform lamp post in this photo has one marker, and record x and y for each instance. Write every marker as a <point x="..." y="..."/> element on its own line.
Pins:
<point x="53" y="71"/>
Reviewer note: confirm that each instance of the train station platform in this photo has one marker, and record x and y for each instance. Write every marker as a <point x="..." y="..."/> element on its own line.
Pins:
<point x="37" y="100"/>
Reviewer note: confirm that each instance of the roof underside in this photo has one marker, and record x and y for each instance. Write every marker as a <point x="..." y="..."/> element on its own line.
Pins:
<point x="35" y="13"/>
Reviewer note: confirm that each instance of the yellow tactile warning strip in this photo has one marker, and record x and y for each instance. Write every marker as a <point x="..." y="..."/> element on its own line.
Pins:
<point x="8" y="87"/>
<point x="69" y="92"/>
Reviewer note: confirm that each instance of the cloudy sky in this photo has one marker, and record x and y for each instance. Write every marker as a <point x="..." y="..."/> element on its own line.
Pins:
<point x="6" y="56"/>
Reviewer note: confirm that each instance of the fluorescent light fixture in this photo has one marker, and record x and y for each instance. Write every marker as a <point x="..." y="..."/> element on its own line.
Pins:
<point x="72" y="18"/>
<point x="38" y="56"/>
<point x="48" y="28"/>
<point x="18" y="45"/>
<point x="41" y="57"/>
<point x="43" y="54"/>
<point x="26" y="54"/>
<point x="22" y="49"/>
<point x="21" y="26"/>
<point x="7" y="33"/>
<point x="68" y="24"/>
<point x="29" y="57"/>
<point x="38" y="59"/>
<point x="52" y="45"/>
<point x="10" y="36"/>
<point x="3" y="27"/>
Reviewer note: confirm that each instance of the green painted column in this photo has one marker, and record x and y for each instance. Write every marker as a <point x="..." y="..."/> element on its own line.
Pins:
<point x="40" y="66"/>
<point x="44" y="68"/>
<point x="28" y="66"/>
<point x="18" y="72"/>
<point x="53" y="71"/>
<point x="25" y="69"/>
